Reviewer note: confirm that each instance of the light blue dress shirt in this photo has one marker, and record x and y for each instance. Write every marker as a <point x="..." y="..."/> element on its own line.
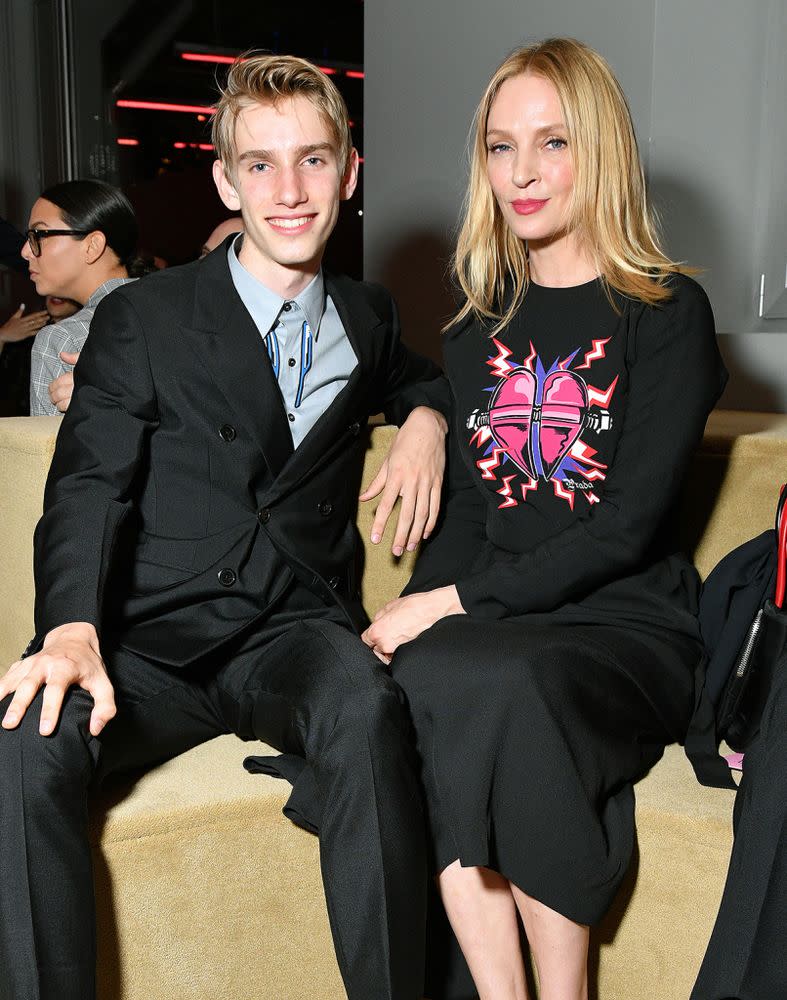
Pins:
<point x="307" y="345"/>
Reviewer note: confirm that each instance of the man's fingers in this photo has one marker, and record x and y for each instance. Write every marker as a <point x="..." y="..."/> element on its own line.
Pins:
<point x="376" y="485"/>
<point x="419" y="520"/>
<point x="104" y="707"/>
<point x="52" y="702"/>
<point x="383" y="512"/>
<point x="7" y="680"/>
<point x="434" y="510"/>
<point x="25" y="692"/>
<point x="403" y="523"/>
<point x="59" y="386"/>
<point x="69" y="357"/>
<point x="61" y="390"/>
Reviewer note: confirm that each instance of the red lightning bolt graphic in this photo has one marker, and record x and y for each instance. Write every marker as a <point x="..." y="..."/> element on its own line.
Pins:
<point x="505" y="491"/>
<point x="590" y="497"/>
<point x="599" y="397"/>
<point x="499" y="365"/>
<point x="528" y="362"/>
<point x="584" y="453"/>
<point x="563" y="493"/>
<point x="531" y="484"/>
<point x="487" y="464"/>
<point x="481" y="436"/>
<point x="596" y="352"/>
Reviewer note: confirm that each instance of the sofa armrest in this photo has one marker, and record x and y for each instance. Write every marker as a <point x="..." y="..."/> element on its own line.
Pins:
<point x="26" y="448"/>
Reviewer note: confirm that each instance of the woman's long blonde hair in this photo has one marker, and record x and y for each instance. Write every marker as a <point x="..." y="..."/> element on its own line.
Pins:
<point x="608" y="212"/>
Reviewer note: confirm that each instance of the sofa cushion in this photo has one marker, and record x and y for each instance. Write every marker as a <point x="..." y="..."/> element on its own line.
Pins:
<point x="206" y="892"/>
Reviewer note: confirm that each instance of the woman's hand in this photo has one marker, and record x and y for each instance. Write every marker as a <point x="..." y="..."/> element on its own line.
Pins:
<point x="405" y="618"/>
<point x="21" y="326"/>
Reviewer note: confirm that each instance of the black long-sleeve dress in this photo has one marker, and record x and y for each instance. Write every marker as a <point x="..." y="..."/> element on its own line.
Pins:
<point x="572" y="430"/>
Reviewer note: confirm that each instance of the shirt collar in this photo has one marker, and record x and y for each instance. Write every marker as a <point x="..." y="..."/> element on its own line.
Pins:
<point x="265" y="305"/>
<point x="104" y="290"/>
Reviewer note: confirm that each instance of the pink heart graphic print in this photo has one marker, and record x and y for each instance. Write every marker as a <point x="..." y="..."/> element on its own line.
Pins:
<point x="510" y="417"/>
<point x="537" y="424"/>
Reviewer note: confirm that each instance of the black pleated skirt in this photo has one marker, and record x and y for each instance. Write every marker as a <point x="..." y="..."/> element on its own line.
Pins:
<point x="531" y="737"/>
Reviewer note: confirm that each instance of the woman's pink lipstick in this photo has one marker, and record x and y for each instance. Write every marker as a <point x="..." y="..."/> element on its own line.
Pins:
<point x="529" y="205"/>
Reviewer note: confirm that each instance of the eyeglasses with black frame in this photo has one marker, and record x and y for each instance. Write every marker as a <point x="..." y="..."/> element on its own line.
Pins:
<point x="34" y="236"/>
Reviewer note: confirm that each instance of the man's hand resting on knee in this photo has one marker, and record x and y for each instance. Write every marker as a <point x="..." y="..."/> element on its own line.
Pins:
<point x="413" y="470"/>
<point x="70" y="656"/>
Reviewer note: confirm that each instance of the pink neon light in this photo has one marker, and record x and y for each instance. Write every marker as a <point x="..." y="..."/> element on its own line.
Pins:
<point x="215" y="57"/>
<point x="179" y="145"/>
<point x="206" y="57"/>
<point x="128" y="142"/>
<point x="161" y="106"/>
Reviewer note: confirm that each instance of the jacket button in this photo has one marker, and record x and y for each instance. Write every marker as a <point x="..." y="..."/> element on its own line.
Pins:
<point x="355" y="429"/>
<point x="334" y="582"/>
<point x="264" y="515"/>
<point x="325" y="508"/>
<point x="227" y="433"/>
<point x="226" y="577"/>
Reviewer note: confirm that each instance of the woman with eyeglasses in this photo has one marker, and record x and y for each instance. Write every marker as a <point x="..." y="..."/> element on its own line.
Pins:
<point x="81" y="244"/>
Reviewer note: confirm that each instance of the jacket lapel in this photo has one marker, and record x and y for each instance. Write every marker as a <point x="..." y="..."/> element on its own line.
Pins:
<point x="226" y="341"/>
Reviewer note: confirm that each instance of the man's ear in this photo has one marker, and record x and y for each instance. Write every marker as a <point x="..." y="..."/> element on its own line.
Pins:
<point x="225" y="187"/>
<point x="350" y="179"/>
<point x="95" y="244"/>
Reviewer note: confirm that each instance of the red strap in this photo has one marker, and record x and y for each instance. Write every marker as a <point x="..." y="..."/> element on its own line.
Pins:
<point x="781" y="551"/>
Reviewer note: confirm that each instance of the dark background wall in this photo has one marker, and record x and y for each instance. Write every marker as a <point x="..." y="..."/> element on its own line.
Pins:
<point x="706" y="83"/>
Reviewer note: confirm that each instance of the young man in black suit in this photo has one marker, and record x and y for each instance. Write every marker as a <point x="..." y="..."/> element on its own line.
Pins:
<point x="195" y="560"/>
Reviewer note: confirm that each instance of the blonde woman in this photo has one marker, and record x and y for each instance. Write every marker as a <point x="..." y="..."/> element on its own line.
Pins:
<point x="547" y="643"/>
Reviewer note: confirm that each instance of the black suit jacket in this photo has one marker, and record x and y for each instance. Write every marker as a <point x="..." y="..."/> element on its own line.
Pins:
<point x="176" y="511"/>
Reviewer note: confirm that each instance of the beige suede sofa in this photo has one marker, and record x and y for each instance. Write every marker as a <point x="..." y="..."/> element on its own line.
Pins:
<point x="206" y="892"/>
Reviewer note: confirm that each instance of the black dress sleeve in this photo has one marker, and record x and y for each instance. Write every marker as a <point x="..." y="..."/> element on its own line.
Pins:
<point x="675" y="377"/>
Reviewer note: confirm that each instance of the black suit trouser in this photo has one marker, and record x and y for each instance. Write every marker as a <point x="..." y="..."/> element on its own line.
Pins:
<point x="305" y="684"/>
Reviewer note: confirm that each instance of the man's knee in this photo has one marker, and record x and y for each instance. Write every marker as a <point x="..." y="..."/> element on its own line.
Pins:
<point x="372" y="718"/>
<point x="351" y="695"/>
<point x="45" y="763"/>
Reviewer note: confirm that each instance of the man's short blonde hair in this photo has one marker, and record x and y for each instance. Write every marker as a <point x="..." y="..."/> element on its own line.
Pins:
<point x="267" y="79"/>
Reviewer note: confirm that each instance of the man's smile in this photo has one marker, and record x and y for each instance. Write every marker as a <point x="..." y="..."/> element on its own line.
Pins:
<point x="296" y="222"/>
